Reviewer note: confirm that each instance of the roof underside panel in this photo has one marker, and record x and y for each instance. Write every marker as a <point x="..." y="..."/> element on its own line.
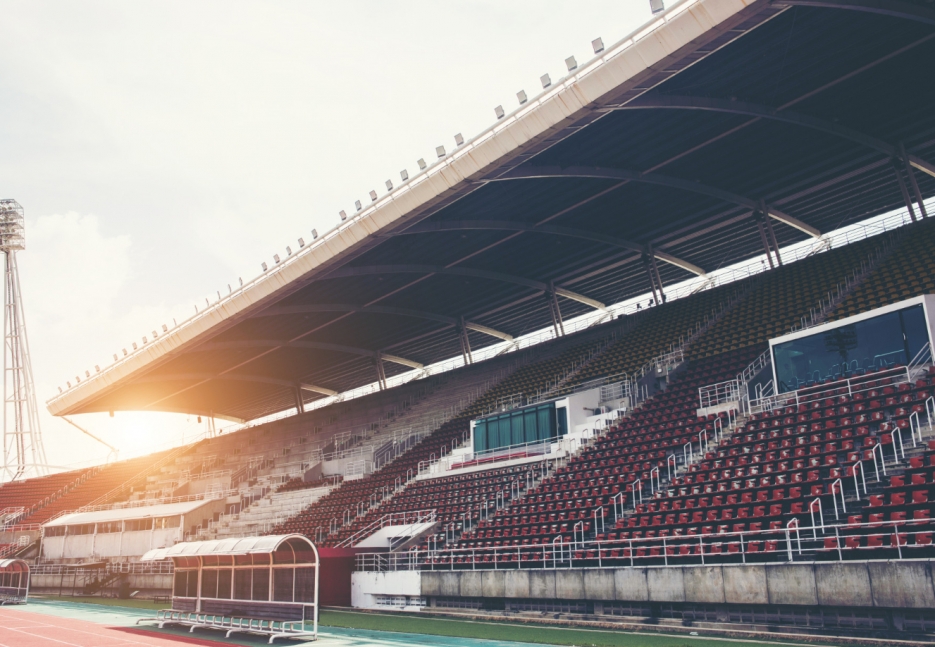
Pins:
<point x="800" y="108"/>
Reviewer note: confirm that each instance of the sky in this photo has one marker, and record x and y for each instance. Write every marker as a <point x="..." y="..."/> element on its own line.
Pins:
<point x="163" y="149"/>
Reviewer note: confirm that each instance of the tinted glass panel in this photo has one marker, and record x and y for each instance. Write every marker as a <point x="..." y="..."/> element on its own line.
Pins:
<point x="261" y="584"/>
<point x="224" y="584"/>
<point x="209" y="583"/>
<point x="243" y="584"/>
<point x="282" y="584"/>
<point x="851" y="350"/>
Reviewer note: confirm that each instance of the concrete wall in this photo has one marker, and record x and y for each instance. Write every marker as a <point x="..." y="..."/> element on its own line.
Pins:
<point x="906" y="584"/>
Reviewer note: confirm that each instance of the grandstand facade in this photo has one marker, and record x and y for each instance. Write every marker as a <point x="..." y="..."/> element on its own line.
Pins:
<point x="657" y="465"/>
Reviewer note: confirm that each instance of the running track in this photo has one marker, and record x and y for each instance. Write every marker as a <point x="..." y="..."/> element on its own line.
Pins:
<point x="25" y="629"/>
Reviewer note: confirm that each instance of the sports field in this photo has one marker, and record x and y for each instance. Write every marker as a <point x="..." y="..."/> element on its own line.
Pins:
<point x="102" y="623"/>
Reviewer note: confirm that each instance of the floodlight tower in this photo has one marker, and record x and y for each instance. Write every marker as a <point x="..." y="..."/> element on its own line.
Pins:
<point x="22" y="440"/>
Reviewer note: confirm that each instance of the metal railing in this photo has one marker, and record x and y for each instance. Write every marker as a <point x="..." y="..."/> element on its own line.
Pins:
<point x="393" y="519"/>
<point x="794" y="542"/>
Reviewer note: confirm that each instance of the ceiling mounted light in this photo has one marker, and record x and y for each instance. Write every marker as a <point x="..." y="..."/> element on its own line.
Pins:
<point x="598" y="45"/>
<point x="546" y="81"/>
<point x="440" y="151"/>
<point x="288" y="253"/>
<point x="422" y="164"/>
<point x="459" y="139"/>
<point x="135" y="346"/>
<point x="521" y="95"/>
<point x="404" y="175"/>
<point x="264" y="266"/>
<point x="124" y="352"/>
<point x="389" y="185"/>
<point x="373" y="196"/>
<point x="97" y="369"/>
<point x="165" y="328"/>
<point x="115" y="357"/>
<point x="276" y="257"/>
<point x="571" y="63"/>
<point x="301" y="242"/>
<point x="343" y="215"/>
<point x="87" y="374"/>
<point x="314" y="234"/>
<point x="657" y="6"/>
<point x="357" y="205"/>
<point x="499" y="112"/>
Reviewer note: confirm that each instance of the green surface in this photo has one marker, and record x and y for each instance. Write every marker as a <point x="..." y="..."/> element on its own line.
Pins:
<point x="529" y="633"/>
<point x="107" y="602"/>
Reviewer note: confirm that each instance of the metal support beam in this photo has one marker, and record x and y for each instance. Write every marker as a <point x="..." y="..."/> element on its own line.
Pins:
<point x="765" y="112"/>
<point x="912" y="180"/>
<point x="769" y="253"/>
<point x="570" y="232"/>
<point x="655" y="271"/>
<point x="283" y="311"/>
<point x="539" y="172"/>
<point x="365" y="270"/>
<point x="465" y="343"/>
<point x="317" y="389"/>
<point x="903" y="190"/>
<point x="312" y="345"/>
<point x="299" y="403"/>
<point x="652" y="279"/>
<point x="381" y="373"/>
<point x="557" y="311"/>
<point x="770" y="233"/>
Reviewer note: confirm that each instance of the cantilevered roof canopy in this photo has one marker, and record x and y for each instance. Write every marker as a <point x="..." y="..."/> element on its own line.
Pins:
<point x="673" y="145"/>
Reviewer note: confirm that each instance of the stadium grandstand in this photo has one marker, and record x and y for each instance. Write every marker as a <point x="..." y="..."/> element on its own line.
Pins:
<point x="655" y="349"/>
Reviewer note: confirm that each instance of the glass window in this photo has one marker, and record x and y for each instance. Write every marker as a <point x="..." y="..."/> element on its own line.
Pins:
<point x="192" y="584"/>
<point x="562" y="417"/>
<point x="480" y="436"/>
<point x="516" y="429"/>
<point x="243" y="583"/>
<point x="282" y="584"/>
<point x="850" y="350"/>
<point x="224" y="584"/>
<point x="546" y="415"/>
<point x="209" y="583"/>
<point x="529" y="426"/>
<point x="180" y="588"/>
<point x="261" y="584"/>
<point x="305" y="585"/>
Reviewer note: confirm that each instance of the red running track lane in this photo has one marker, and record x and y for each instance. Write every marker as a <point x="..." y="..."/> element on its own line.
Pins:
<point x="25" y="629"/>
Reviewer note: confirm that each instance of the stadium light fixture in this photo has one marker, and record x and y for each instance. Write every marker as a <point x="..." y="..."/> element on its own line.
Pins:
<point x="422" y="164"/>
<point x="125" y="352"/>
<point x="373" y="196"/>
<point x="521" y="96"/>
<point x="264" y="266"/>
<point x="288" y="253"/>
<point x="135" y="346"/>
<point x="155" y="335"/>
<point x="87" y="374"/>
<point x="546" y="81"/>
<point x="68" y="383"/>
<point x="357" y="205"/>
<point x="314" y="234"/>
<point x="459" y="140"/>
<point x="343" y="215"/>
<point x="60" y="390"/>
<point x="145" y="340"/>
<point x="389" y="185"/>
<point x="440" y="151"/>
<point x="657" y="6"/>
<point x="97" y="368"/>
<point x="571" y="63"/>
<point x="301" y="242"/>
<point x="165" y="328"/>
<point x="115" y="357"/>
<point x="499" y="112"/>
<point x="598" y="45"/>
<point x="229" y="289"/>
<point x="275" y="258"/>
<point x="404" y="175"/>
<point x="78" y="379"/>
<point x="241" y="285"/>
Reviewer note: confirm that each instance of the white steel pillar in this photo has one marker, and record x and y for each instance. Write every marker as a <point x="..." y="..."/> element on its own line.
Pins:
<point x="23" y="452"/>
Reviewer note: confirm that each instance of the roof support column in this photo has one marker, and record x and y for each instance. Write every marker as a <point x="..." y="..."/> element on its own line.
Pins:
<point x="912" y="180"/>
<point x="555" y="310"/>
<point x="655" y="269"/>
<point x="655" y="283"/>
<point x="381" y="374"/>
<point x="299" y="403"/>
<point x="465" y="343"/>
<point x="762" y="229"/>
<point x="903" y="190"/>
<point x="770" y="232"/>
